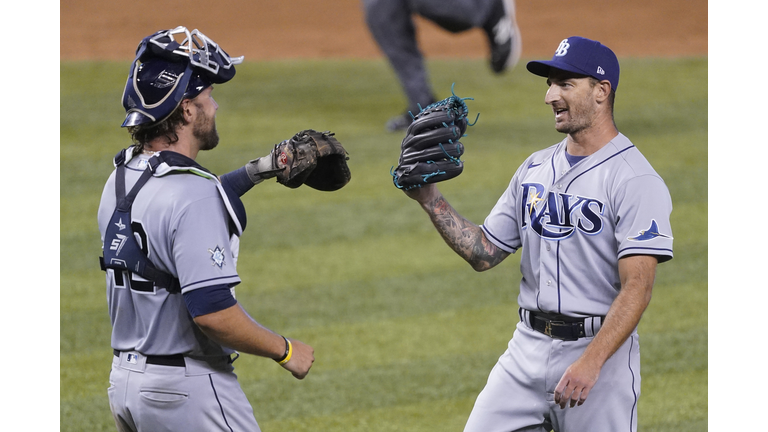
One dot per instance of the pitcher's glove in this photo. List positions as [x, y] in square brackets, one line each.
[431, 148]
[316, 159]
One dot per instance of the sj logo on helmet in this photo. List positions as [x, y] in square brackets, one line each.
[563, 48]
[557, 216]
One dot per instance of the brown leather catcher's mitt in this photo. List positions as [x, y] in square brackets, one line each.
[314, 158]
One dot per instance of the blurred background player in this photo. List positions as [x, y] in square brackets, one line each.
[392, 26]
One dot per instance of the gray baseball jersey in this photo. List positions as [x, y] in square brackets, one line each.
[573, 224]
[183, 223]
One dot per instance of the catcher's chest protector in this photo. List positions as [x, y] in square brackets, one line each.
[123, 247]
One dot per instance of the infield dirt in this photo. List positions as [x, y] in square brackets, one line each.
[275, 29]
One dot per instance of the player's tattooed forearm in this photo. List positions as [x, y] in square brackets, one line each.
[464, 237]
[445, 216]
[490, 254]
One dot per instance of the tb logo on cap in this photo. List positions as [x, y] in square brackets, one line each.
[563, 48]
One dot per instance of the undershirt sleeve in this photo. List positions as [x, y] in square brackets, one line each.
[237, 181]
[203, 301]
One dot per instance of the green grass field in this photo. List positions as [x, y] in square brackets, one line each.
[405, 333]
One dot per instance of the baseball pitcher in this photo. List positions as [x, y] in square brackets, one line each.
[591, 219]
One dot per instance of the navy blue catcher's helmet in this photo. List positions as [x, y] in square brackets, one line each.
[165, 72]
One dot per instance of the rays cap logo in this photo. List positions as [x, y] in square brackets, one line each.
[582, 56]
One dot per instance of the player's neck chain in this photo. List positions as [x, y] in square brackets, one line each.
[148, 152]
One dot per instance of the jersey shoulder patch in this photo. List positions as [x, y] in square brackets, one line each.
[649, 234]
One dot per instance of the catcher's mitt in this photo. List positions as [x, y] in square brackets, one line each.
[316, 159]
[431, 151]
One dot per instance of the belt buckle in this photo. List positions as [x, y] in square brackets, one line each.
[548, 328]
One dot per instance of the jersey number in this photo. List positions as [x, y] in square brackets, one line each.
[137, 283]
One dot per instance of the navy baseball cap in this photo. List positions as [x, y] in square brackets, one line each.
[582, 56]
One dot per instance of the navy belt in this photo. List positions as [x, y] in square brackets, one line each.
[167, 360]
[559, 326]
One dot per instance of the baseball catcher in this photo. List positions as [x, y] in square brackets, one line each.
[431, 150]
[171, 230]
[316, 159]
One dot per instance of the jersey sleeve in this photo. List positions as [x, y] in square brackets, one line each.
[201, 246]
[501, 227]
[643, 208]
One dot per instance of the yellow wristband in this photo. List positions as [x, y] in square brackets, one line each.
[288, 352]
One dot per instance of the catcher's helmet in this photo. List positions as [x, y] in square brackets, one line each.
[165, 72]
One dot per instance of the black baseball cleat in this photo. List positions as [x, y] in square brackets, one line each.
[398, 123]
[503, 36]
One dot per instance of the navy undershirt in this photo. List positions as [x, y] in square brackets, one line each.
[203, 301]
[238, 181]
[572, 160]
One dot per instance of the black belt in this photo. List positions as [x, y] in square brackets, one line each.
[558, 326]
[167, 360]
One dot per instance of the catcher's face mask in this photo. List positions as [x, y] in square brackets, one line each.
[165, 72]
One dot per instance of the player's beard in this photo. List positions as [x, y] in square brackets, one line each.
[205, 131]
[580, 117]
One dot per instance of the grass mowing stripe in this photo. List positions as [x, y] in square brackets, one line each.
[440, 415]
[669, 352]
[408, 294]
[88, 413]
[79, 377]
[676, 307]
[413, 339]
[395, 254]
[342, 391]
[670, 399]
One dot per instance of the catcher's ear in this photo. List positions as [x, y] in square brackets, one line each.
[186, 110]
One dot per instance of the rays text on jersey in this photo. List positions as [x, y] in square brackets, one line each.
[556, 216]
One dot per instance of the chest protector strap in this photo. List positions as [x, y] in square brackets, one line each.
[122, 249]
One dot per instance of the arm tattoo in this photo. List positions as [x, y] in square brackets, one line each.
[464, 237]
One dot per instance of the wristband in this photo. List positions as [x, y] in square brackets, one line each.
[263, 168]
[288, 353]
